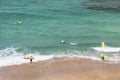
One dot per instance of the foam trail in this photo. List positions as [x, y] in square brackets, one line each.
[8, 51]
[107, 49]
[73, 43]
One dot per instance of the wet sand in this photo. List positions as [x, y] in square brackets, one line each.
[62, 69]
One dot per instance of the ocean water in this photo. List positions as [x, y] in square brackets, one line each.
[46, 22]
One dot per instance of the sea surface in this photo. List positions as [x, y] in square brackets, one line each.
[45, 23]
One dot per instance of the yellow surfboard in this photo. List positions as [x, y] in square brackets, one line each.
[102, 45]
[30, 57]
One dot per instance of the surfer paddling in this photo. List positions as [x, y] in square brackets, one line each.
[63, 41]
[18, 21]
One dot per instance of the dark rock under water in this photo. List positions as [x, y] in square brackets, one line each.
[109, 5]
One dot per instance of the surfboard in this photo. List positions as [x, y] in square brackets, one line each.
[29, 57]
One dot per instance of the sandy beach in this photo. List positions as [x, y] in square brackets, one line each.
[62, 69]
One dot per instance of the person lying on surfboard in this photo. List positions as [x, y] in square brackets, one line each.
[18, 21]
[63, 41]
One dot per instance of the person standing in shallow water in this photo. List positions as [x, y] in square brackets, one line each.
[103, 56]
[30, 58]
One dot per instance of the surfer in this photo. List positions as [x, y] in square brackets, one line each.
[102, 45]
[102, 56]
[63, 41]
[30, 58]
[18, 21]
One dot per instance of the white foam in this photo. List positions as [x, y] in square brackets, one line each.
[113, 59]
[107, 49]
[17, 60]
[79, 56]
[73, 43]
[10, 56]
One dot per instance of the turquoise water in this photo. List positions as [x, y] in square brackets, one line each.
[46, 22]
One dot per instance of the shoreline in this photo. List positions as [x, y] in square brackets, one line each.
[63, 68]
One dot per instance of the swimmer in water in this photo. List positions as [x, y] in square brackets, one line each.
[63, 41]
[18, 21]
